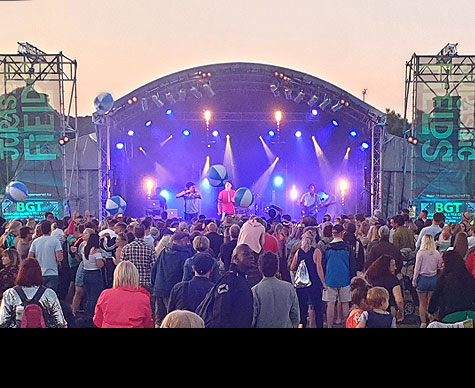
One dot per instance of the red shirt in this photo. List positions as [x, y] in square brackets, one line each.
[123, 307]
[227, 201]
[271, 244]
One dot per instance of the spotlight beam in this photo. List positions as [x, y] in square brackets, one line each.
[229, 159]
[263, 181]
[270, 155]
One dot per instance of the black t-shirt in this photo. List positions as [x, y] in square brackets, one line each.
[388, 282]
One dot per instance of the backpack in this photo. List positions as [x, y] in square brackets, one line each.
[33, 312]
[206, 308]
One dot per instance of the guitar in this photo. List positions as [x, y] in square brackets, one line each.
[312, 210]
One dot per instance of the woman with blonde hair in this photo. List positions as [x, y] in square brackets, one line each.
[311, 295]
[428, 263]
[126, 304]
[182, 319]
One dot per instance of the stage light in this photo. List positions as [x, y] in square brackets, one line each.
[278, 116]
[169, 112]
[364, 145]
[186, 132]
[298, 134]
[298, 99]
[294, 194]
[315, 112]
[327, 101]
[170, 98]
[144, 104]
[195, 92]
[278, 181]
[208, 90]
[207, 115]
[271, 133]
[119, 146]
[274, 88]
[206, 183]
[336, 107]
[165, 194]
[413, 140]
[181, 95]
[148, 123]
[149, 185]
[335, 123]
[353, 133]
[65, 139]
[312, 100]
[156, 99]
[166, 140]
[130, 132]
[216, 133]
[343, 185]
[288, 93]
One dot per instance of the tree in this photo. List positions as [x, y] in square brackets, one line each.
[395, 123]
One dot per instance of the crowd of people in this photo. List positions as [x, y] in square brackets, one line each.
[237, 272]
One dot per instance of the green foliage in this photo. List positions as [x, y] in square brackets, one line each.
[395, 123]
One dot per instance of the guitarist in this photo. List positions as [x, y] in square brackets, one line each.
[310, 202]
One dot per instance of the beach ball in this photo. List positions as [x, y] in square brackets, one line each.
[104, 102]
[116, 204]
[16, 191]
[217, 175]
[243, 197]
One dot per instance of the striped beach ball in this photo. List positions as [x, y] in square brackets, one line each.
[116, 204]
[244, 197]
[217, 175]
[16, 191]
[104, 102]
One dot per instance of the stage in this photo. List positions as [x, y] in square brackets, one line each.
[160, 133]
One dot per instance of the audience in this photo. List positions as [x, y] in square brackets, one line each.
[168, 273]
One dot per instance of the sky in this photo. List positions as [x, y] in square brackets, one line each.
[122, 45]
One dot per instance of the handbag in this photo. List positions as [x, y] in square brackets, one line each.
[302, 277]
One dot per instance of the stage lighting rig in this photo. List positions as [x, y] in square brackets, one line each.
[288, 93]
[209, 90]
[195, 92]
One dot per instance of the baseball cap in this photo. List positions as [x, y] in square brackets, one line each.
[202, 263]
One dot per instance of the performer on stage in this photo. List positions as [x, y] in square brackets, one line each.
[311, 203]
[192, 201]
[226, 200]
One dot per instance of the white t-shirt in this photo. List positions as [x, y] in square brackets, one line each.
[45, 248]
[90, 264]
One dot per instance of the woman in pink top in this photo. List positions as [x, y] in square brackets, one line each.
[126, 305]
[428, 263]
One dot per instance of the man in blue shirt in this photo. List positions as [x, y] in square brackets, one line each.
[340, 268]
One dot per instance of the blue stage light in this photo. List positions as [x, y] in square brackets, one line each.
[165, 194]
[148, 123]
[215, 133]
[335, 123]
[119, 146]
[271, 133]
[315, 112]
[278, 181]
[298, 134]
[353, 133]
[131, 132]
[364, 145]
[169, 112]
[186, 132]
